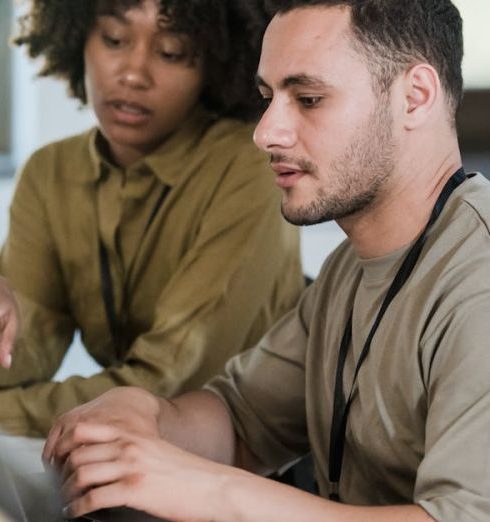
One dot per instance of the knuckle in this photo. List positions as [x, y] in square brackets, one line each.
[73, 459]
[134, 480]
[78, 431]
[79, 479]
[130, 451]
[91, 499]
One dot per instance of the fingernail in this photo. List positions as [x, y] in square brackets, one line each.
[7, 360]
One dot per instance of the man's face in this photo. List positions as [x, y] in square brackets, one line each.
[139, 79]
[329, 137]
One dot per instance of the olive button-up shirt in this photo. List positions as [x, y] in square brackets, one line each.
[200, 260]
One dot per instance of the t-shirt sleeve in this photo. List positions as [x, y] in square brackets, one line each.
[453, 479]
[264, 390]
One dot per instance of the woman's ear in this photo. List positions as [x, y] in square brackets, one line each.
[422, 91]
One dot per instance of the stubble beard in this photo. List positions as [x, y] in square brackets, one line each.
[359, 174]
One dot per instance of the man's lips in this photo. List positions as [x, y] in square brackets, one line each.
[128, 112]
[287, 175]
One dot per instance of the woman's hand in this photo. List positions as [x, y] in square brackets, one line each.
[9, 323]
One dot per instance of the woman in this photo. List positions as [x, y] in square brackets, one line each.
[156, 234]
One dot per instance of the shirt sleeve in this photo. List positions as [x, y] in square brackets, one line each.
[264, 389]
[453, 480]
[29, 260]
[242, 270]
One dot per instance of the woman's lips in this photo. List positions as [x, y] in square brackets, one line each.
[129, 113]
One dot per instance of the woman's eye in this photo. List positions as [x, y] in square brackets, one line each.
[169, 56]
[111, 41]
[310, 101]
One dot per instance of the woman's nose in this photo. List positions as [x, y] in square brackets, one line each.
[135, 72]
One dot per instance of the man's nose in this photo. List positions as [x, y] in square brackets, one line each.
[275, 129]
[135, 72]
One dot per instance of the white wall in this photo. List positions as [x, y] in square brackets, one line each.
[42, 111]
[476, 62]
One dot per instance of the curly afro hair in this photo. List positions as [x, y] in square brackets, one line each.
[226, 33]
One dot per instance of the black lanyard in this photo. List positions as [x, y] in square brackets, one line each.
[341, 407]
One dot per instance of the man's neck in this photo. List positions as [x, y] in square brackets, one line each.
[401, 213]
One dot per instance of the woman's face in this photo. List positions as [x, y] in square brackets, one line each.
[139, 79]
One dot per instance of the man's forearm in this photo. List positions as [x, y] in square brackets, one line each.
[199, 422]
[247, 497]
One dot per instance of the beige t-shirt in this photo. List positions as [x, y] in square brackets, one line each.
[419, 426]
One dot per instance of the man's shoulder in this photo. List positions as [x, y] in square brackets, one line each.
[476, 199]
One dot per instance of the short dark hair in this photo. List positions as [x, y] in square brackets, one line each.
[227, 35]
[393, 34]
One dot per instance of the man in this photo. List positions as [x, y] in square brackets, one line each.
[9, 322]
[382, 370]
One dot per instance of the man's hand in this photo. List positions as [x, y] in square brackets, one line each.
[132, 408]
[111, 468]
[9, 323]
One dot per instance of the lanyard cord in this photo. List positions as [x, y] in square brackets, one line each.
[341, 407]
[108, 286]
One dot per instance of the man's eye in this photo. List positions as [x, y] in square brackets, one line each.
[111, 42]
[266, 101]
[309, 101]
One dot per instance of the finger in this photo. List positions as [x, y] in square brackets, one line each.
[112, 495]
[86, 477]
[91, 454]
[82, 433]
[51, 441]
[8, 333]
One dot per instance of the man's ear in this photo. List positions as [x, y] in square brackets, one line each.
[422, 89]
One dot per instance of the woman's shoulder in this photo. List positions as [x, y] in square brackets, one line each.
[70, 149]
[231, 136]
[68, 155]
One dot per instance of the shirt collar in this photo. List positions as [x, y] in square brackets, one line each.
[166, 161]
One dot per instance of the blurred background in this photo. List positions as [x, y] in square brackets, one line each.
[36, 111]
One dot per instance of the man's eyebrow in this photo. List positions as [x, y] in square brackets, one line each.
[301, 80]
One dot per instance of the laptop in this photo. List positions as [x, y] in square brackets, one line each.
[28, 498]
[30, 495]
[118, 515]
